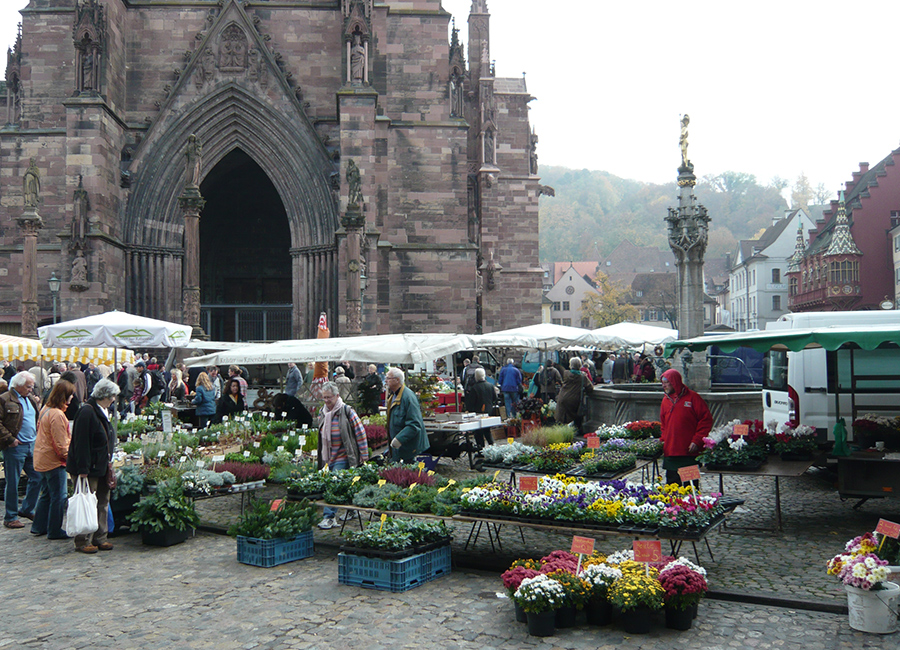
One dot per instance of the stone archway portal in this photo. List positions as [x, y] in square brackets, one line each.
[245, 260]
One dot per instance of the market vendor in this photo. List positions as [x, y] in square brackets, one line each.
[406, 429]
[686, 420]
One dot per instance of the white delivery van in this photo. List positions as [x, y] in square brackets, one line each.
[813, 386]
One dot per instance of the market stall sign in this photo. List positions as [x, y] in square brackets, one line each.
[276, 505]
[741, 429]
[528, 483]
[689, 473]
[888, 528]
[647, 550]
[593, 442]
[582, 545]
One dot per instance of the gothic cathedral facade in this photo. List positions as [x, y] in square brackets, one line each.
[244, 166]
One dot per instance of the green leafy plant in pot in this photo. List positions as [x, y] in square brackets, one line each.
[286, 521]
[166, 516]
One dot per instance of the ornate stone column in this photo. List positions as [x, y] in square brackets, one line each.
[30, 223]
[353, 221]
[688, 227]
[191, 203]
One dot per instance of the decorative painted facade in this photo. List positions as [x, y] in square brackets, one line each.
[194, 161]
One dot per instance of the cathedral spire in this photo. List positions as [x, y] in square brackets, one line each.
[799, 250]
[841, 240]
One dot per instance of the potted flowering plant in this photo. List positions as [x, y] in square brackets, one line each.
[636, 594]
[871, 598]
[684, 589]
[795, 443]
[512, 580]
[540, 597]
[599, 577]
[724, 449]
[577, 593]
[641, 429]
[872, 428]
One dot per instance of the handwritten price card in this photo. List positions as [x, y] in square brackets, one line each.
[528, 483]
[690, 473]
[649, 550]
[888, 528]
[582, 545]
[593, 442]
[741, 429]
[276, 504]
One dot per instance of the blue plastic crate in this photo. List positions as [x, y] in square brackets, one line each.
[272, 552]
[393, 575]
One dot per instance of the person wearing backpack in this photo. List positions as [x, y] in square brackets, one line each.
[342, 439]
[158, 386]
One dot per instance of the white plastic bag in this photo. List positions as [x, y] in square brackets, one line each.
[81, 513]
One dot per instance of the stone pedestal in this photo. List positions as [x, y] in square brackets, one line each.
[353, 222]
[191, 202]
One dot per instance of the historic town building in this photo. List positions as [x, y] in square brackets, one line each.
[243, 166]
[847, 262]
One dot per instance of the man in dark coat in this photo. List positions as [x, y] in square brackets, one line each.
[483, 395]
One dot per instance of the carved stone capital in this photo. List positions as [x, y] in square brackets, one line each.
[191, 203]
[30, 222]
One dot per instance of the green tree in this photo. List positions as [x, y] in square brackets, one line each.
[609, 305]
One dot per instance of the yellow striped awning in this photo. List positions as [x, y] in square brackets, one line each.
[16, 348]
[96, 356]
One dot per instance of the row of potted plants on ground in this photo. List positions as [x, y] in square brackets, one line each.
[747, 445]
[550, 592]
[650, 509]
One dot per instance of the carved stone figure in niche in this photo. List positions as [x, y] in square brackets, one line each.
[207, 66]
[31, 185]
[354, 183]
[79, 271]
[192, 161]
[534, 156]
[87, 70]
[255, 61]
[683, 140]
[357, 60]
[233, 50]
[489, 147]
[457, 100]
[80, 218]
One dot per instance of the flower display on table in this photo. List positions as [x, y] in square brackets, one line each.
[872, 428]
[684, 587]
[859, 566]
[725, 448]
[607, 431]
[607, 461]
[641, 429]
[799, 441]
[506, 454]
[540, 594]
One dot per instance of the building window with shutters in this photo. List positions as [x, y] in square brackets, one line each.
[776, 303]
[776, 276]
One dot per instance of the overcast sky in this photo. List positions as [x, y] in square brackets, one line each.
[772, 87]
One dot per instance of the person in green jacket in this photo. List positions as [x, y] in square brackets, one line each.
[406, 429]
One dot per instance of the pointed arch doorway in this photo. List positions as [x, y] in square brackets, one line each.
[245, 260]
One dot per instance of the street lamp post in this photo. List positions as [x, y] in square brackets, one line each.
[54, 283]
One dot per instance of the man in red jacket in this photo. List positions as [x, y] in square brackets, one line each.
[686, 420]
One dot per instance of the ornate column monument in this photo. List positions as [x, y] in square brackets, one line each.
[688, 226]
[191, 203]
[30, 222]
[353, 221]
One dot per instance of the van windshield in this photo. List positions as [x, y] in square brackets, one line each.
[775, 367]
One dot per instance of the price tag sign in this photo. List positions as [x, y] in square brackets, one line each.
[219, 459]
[279, 448]
[246, 454]
[741, 429]
[593, 442]
[188, 450]
[305, 427]
[888, 528]
[201, 464]
[161, 454]
[509, 441]
[256, 444]
[298, 452]
[582, 545]
[276, 504]
[411, 486]
[496, 474]
[430, 472]
[421, 466]
[167, 421]
[690, 473]
[528, 483]
[648, 550]
[381, 482]
[302, 441]
[314, 453]
[182, 459]
[325, 468]
[355, 479]
[451, 482]
[284, 438]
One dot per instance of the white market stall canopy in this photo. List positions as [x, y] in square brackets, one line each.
[627, 335]
[546, 336]
[386, 348]
[116, 329]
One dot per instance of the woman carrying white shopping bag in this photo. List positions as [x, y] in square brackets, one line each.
[90, 453]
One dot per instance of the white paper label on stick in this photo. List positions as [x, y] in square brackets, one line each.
[219, 459]
[167, 421]
[161, 454]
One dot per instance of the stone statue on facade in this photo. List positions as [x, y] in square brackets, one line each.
[683, 140]
[31, 185]
[87, 70]
[192, 160]
[354, 183]
[357, 60]
[79, 272]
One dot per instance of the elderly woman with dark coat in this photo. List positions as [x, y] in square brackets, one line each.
[575, 386]
[90, 452]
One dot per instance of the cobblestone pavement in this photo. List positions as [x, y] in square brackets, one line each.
[196, 595]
